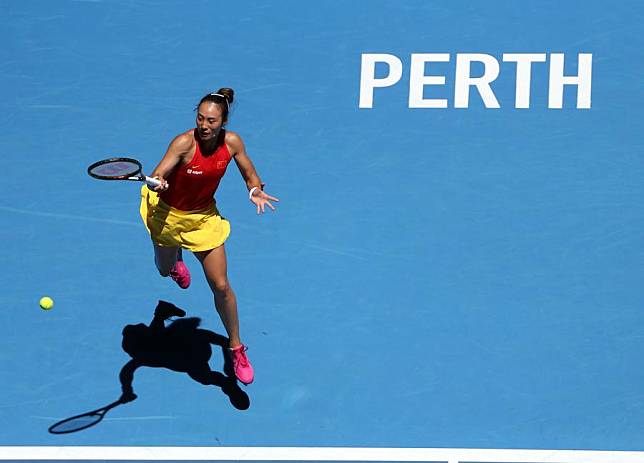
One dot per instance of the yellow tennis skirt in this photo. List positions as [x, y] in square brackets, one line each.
[193, 230]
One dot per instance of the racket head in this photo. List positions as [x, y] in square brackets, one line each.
[77, 423]
[115, 169]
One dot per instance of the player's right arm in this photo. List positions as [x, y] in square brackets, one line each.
[177, 152]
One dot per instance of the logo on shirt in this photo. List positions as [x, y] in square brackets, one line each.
[192, 171]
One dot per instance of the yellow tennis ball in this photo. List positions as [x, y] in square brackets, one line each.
[46, 303]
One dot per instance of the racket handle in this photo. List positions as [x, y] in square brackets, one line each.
[153, 182]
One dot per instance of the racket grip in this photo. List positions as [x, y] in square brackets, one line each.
[153, 182]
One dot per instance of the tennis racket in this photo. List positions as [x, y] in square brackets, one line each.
[84, 421]
[121, 169]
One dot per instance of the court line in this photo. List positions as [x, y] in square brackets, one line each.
[67, 216]
[319, 454]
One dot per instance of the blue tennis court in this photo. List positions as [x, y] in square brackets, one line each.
[433, 278]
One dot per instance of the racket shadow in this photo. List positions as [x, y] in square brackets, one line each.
[180, 346]
[84, 420]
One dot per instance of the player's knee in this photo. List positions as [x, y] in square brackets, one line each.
[221, 287]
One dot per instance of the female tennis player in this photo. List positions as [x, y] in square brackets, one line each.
[181, 213]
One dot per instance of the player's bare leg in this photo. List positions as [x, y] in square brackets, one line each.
[169, 262]
[215, 268]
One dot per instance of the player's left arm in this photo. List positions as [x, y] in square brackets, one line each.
[248, 172]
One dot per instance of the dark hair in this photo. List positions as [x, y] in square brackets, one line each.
[223, 98]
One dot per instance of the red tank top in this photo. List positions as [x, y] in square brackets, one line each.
[192, 186]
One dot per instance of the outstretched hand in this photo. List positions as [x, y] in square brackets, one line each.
[261, 200]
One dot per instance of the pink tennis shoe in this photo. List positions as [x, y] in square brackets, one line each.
[241, 364]
[180, 274]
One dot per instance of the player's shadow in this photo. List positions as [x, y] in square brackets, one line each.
[180, 346]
